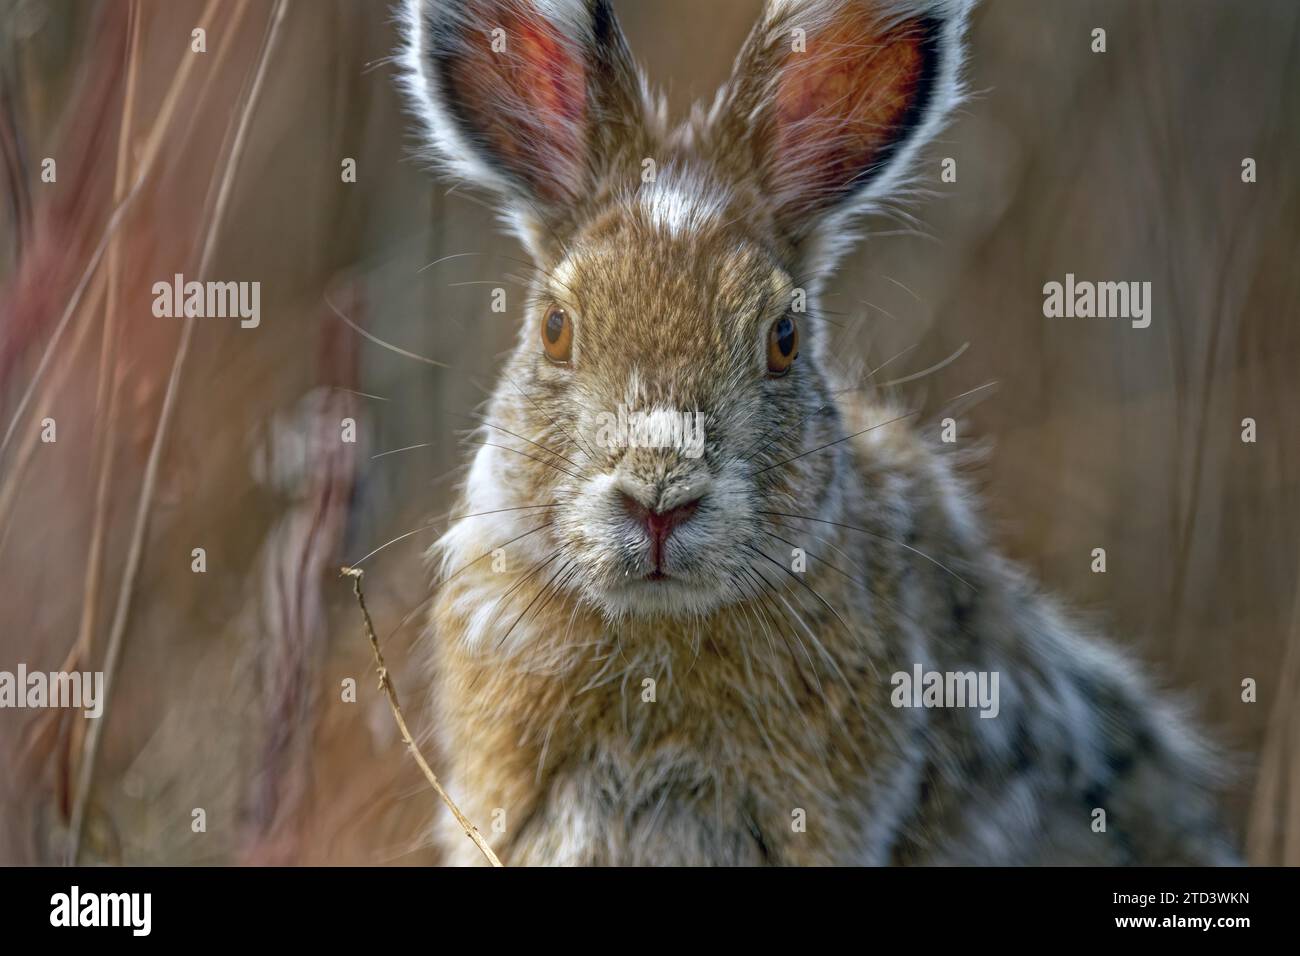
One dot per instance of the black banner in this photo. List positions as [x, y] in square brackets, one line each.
[377, 905]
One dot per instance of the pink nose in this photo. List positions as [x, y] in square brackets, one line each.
[659, 524]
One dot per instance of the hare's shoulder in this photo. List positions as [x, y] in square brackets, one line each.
[906, 482]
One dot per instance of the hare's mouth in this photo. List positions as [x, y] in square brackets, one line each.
[655, 572]
[662, 594]
[664, 577]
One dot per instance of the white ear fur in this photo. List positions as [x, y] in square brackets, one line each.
[830, 232]
[445, 138]
[535, 123]
[946, 96]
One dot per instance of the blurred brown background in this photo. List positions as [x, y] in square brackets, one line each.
[226, 687]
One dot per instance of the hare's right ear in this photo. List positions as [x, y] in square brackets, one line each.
[536, 100]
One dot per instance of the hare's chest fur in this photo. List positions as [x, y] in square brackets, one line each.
[694, 766]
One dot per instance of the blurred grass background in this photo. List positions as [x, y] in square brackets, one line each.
[1121, 166]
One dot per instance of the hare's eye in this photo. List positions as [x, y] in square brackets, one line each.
[782, 345]
[557, 335]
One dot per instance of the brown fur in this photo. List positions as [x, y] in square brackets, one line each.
[771, 685]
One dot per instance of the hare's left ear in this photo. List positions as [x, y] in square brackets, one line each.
[535, 100]
[829, 103]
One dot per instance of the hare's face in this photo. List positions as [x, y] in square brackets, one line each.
[674, 367]
[667, 374]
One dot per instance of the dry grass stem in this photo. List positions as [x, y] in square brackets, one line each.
[386, 685]
[86, 768]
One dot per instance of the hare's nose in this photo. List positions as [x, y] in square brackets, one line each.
[660, 524]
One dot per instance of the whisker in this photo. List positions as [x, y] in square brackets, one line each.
[756, 593]
[844, 574]
[862, 382]
[885, 312]
[378, 341]
[544, 448]
[487, 554]
[542, 591]
[751, 595]
[817, 411]
[574, 570]
[400, 537]
[866, 378]
[372, 65]
[837, 441]
[811, 590]
[929, 371]
[497, 511]
[821, 648]
[456, 255]
[826, 655]
[819, 689]
[548, 273]
[434, 524]
[766, 604]
[935, 561]
[394, 451]
[901, 286]
[350, 391]
[585, 451]
[567, 709]
[952, 402]
[533, 570]
[540, 461]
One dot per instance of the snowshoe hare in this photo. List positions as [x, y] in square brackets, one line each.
[705, 600]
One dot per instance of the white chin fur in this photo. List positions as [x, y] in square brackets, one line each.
[671, 597]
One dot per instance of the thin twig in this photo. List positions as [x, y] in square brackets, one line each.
[386, 685]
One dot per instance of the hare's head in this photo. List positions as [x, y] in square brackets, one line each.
[671, 348]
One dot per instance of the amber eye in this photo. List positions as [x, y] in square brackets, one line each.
[782, 345]
[557, 335]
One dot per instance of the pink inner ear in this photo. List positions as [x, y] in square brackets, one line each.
[840, 105]
[527, 102]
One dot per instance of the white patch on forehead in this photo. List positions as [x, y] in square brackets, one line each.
[681, 207]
